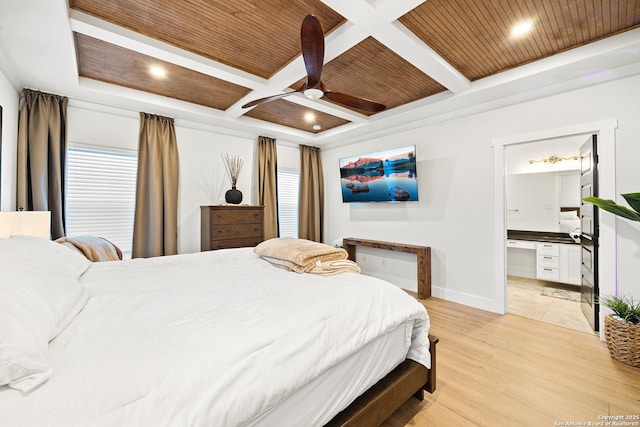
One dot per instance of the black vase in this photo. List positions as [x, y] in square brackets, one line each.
[233, 196]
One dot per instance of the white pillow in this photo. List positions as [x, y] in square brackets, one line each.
[39, 295]
[569, 215]
[569, 225]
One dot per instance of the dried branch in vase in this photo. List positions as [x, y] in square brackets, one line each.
[233, 164]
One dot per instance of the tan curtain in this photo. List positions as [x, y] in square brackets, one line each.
[268, 184]
[42, 153]
[155, 226]
[311, 209]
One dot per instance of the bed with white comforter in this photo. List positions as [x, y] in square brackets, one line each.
[209, 339]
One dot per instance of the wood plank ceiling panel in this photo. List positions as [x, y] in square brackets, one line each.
[109, 63]
[293, 115]
[372, 71]
[256, 36]
[475, 35]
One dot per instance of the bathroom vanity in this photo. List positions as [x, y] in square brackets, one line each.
[543, 255]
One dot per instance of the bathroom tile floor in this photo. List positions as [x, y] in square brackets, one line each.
[525, 299]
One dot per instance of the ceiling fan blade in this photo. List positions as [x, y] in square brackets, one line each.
[355, 102]
[269, 99]
[312, 41]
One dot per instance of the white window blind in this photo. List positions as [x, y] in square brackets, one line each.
[101, 191]
[288, 184]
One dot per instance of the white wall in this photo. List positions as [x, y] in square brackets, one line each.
[110, 128]
[9, 100]
[288, 157]
[455, 170]
[203, 179]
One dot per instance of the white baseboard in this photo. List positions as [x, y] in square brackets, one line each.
[521, 272]
[474, 301]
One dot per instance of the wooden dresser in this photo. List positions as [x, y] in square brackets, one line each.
[227, 226]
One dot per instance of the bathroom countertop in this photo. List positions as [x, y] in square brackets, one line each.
[541, 236]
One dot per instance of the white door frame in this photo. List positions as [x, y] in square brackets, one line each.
[607, 274]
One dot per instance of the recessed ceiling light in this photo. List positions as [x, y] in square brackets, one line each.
[309, 117]
[522, 28]
[157, 72]
[317, 127]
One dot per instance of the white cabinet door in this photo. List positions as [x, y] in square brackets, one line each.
[570, 264]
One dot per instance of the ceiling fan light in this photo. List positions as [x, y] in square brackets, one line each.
[312, 93]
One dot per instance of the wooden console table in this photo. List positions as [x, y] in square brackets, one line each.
[423, 253]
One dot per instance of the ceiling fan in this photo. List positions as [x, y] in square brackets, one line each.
[312, 41]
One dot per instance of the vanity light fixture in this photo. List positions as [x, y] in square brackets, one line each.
[554, 159]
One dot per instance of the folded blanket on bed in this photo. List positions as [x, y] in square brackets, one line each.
[326, 268]
[94, 248]
[329, 268]
[305, 256]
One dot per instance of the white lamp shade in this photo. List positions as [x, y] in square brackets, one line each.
[29, 223]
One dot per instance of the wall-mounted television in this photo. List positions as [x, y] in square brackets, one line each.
[383, 176]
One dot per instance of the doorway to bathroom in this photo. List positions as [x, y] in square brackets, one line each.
[543, 211]
[606, 264]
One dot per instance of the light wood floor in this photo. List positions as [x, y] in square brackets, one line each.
[495, 370]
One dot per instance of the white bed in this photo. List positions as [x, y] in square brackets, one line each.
[217, 338]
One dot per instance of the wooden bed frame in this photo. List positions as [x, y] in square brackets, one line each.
[387, 395]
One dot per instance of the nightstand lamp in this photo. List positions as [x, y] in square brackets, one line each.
[29, 223]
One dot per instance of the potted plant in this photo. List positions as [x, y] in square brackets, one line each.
[233, 165]
[622, 329]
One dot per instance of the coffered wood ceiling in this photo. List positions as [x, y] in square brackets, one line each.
[410, 55]
[473, 36]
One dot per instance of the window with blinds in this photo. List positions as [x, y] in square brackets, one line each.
[100, 197]
[288, 184]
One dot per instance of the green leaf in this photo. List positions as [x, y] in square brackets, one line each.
[614, 208]
[634, 200]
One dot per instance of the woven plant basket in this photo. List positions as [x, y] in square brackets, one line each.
[623, 340]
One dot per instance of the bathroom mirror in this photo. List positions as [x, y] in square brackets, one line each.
[546, 201]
